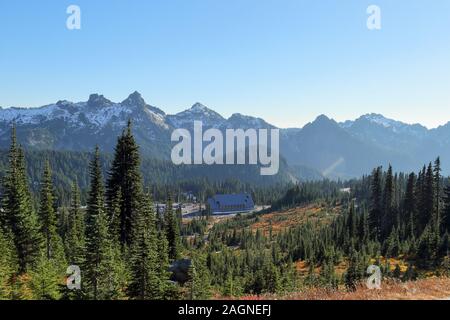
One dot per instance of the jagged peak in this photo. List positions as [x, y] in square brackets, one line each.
[96, 100]
[134, 99]
[238, 115]
[323, 118]
[199, 107]
[63, 102]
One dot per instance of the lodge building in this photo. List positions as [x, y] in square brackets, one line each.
[230, 203]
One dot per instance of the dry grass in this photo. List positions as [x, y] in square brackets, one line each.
[425, 289]
[282, 220]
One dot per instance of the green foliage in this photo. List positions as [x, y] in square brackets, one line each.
[172, 230]
[145, 281]
[102, 264]
[8, 265]
[18, 216]
[52, 242]
[125, 250]
[75, 240]
[125, 181]
[199, 283]
[46, 278]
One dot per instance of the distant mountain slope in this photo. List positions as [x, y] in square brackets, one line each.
[335, 152]
[321, 148]
[69, 166]
[81, 126]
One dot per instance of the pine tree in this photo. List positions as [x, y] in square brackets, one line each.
[328, 275]
[429, 197]
[100, 277]
[421, 220]
[46, 278]
[145, 281]
[53, 246]
[199, 282]
[410, 205]
[351, 277]
[437, 194]
[376, 211]
[165, 290]
[388, 204]
[352, 221]
[8, 265]
[446, 210]
[75, 237]
[172, 230]
[125, 179]
[18, 216]
[193, 282]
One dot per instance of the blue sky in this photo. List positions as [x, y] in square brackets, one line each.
[286, 61]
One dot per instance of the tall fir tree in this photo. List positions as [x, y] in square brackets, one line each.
[166, 291]
[46, 278]
[438, 195]
[125, 179]
[75, 237]
[410, 206]
[8, 264]
[446, 210]
[429, 198]
[48, 272]
[145, 281]
[376, 210]
[53, 245]
[172, 227]
[19, 218]
[100, 277]
[388, 204]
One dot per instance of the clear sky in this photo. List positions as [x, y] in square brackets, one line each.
[286, 61]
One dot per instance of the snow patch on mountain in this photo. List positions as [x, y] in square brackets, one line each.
[198, 112]
[396, 127]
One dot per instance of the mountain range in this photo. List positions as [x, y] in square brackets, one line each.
[322, 148]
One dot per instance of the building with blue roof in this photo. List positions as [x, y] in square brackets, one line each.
[221, 204]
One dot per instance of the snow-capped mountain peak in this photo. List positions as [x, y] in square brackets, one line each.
[198, 107]
[238, 120]
[98, 101]
[381, 120]
[198, 112]
[134, 100]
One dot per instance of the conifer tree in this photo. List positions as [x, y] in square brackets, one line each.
[145, 281]
[19, 218]
[428, 214]
[438, 193]
[376, 211]
[8, 265]
[388, 204]
[165, 290]
[46, 278]
[53, 246]
[100, 269]
[199, 279]
[351, 277]
[421, 220]
[172, 230]
[75, 236]
[410, 205]
[446, 210]
[124, 180]
[352, 221]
